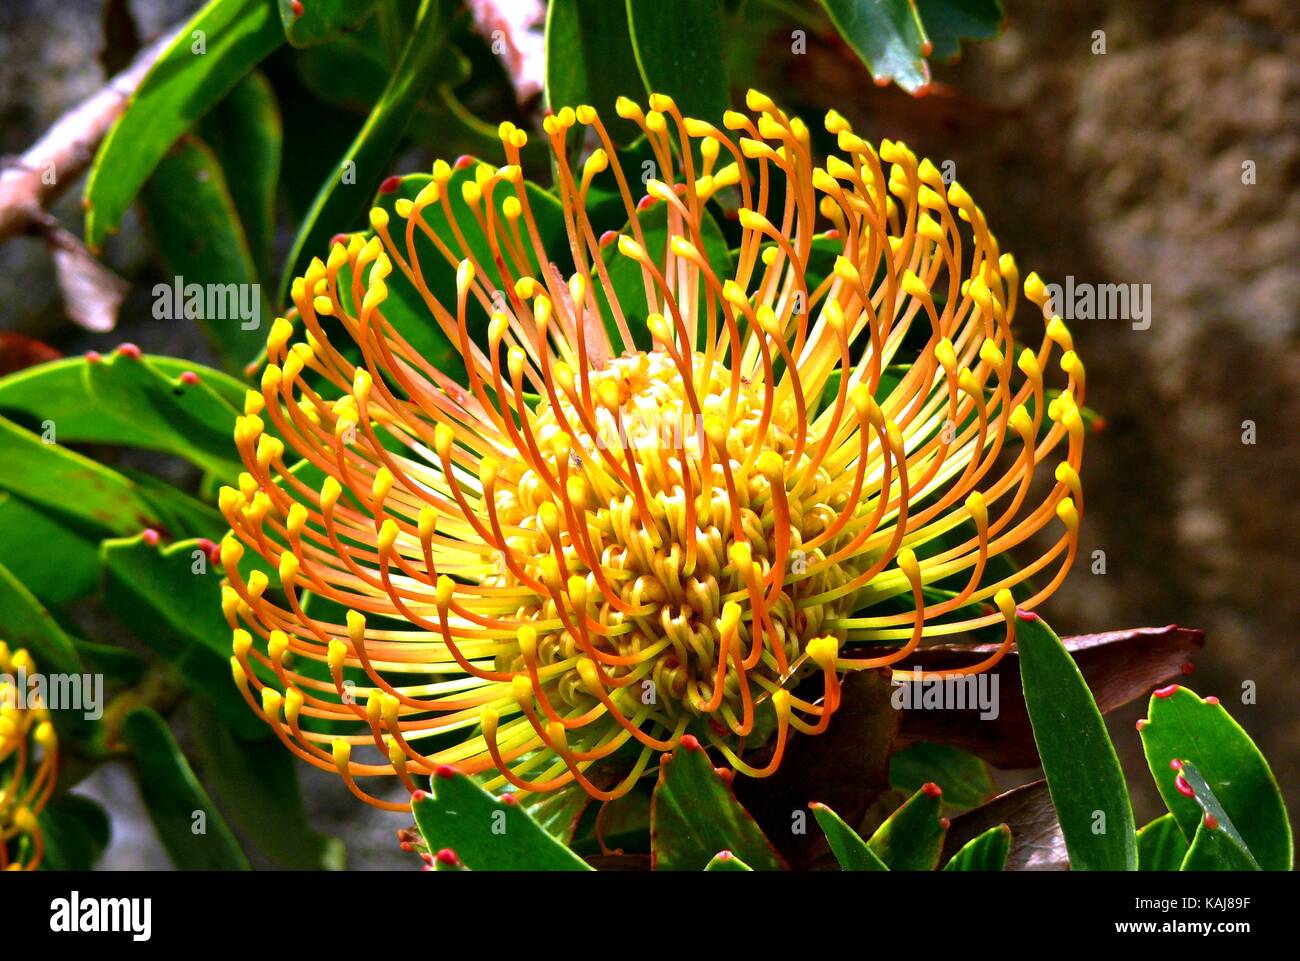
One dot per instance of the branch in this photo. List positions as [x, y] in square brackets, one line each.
[30, 183]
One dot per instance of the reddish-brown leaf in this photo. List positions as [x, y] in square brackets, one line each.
[1119, 666]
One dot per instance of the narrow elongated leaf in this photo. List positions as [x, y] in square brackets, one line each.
[678, 46]
[849, 849]
[62, 480]
[342, 198]
[558, 812]
[256, 785]
[244, 131]
[176, 611]
[151, 403]
[487, 833]
[887, 35]
[1082, 769]
[964, 777]
[695, 815]
[187, 419]
[223, 41]
[199, 234]
[60, 391]
[25, 622]
[315, 21]
[1212, 849]
[1215, 817]
[1161, 845]
[188, 823]
[590, 60]
[948, 22]
[726, 861]
[988, 852]
[912, 837]
[59, 557]
[1182, 727]
[76, 832]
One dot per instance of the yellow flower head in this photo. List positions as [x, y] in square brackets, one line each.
[680, 508]
[29, 759]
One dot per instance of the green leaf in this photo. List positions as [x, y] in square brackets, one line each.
[949, 22]
[849, 849]
[338, 204]
[695, 815]
[199, 235]
[987, 852]
[590, 60]
[1083, 773]
[66, 482]
[726, 861]
[487, 833]
[557, 812]
[25, 622]
[319, 20]
[256, 786]
[115, 663]
[177, 613]
[180, 515]
[244, 131]
[912, 837]
[133, 403]
[233, 35]
[176, 801]
[1215, 817]
[59, 557]
[1182, 727]
[887, 35]
[1214, 850]
[76, 831]
[678, 46]
[58, 390]
[964, 777]
[1161, 845]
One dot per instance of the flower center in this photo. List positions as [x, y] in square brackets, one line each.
[667, 499]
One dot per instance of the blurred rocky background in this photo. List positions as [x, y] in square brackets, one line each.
[1117, 167]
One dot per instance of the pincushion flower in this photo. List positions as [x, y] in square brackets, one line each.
[29, 760]
[553, 569]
